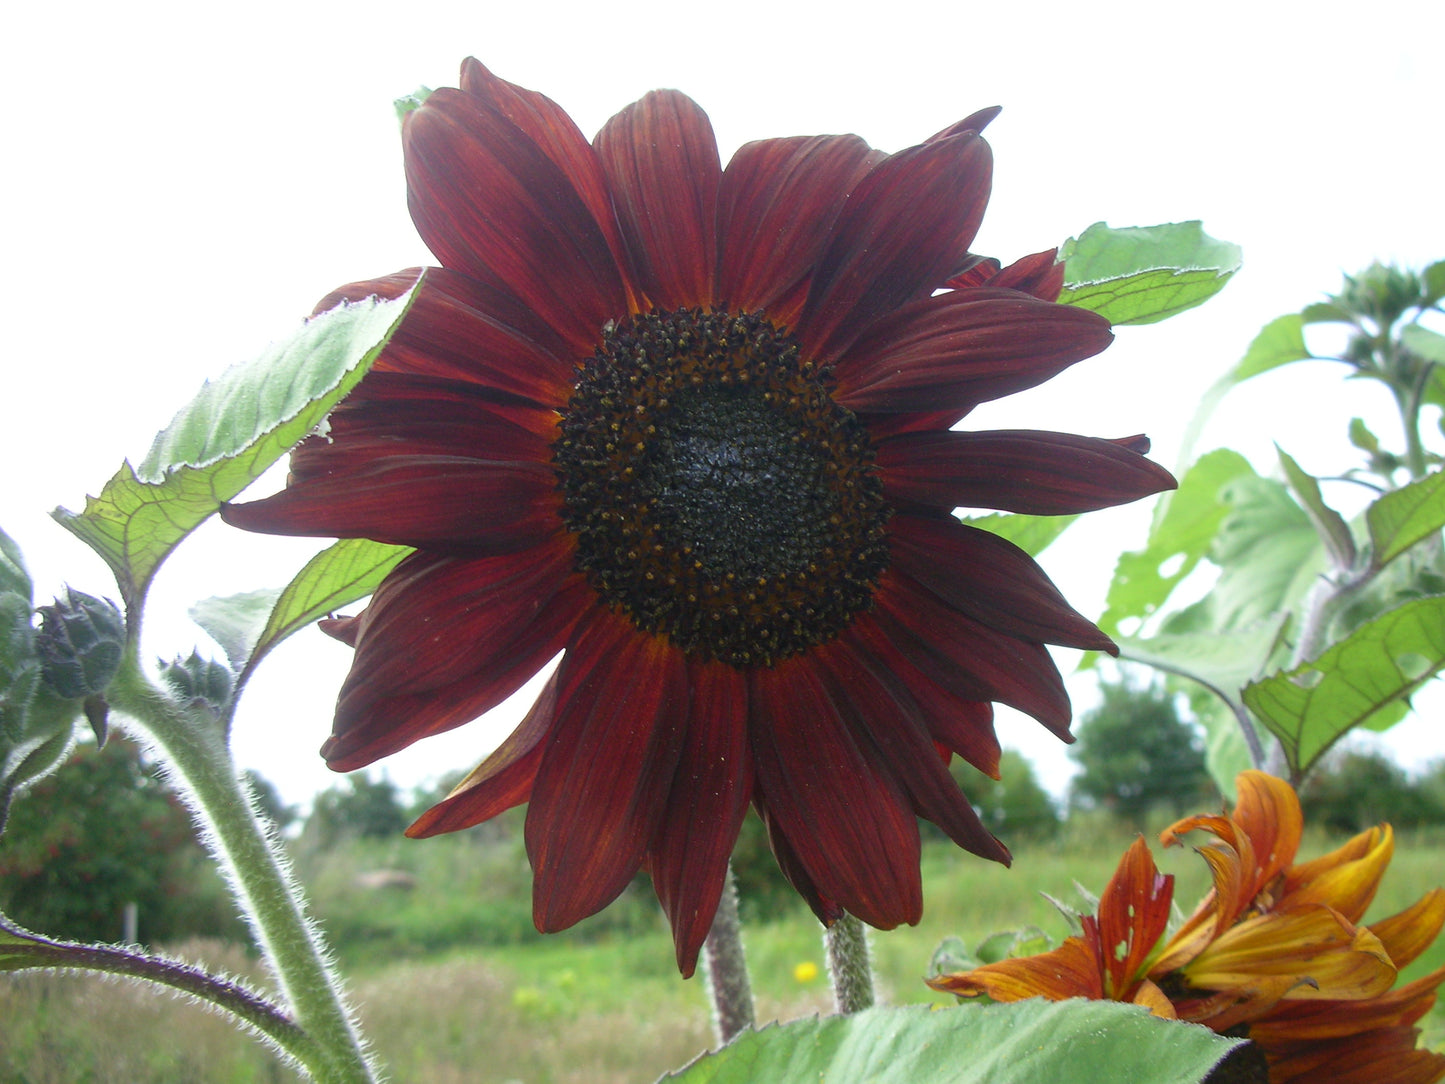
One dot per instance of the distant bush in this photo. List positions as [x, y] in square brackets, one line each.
[100, 833]
[1356, 788]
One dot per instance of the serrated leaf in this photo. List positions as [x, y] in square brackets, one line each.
[227, 438]
[1144, 274]
[1405, 516]
[1331, 527]
[235, 621]
[1032, 534]
[340, 574]
[1267, 551]
[1310, 707]
[1424, 343]
[1323, 312]
[1182, 534]
[1068, 1042]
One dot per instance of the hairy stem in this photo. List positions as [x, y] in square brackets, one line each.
[195, 752]
[846, 943]
[726, 969]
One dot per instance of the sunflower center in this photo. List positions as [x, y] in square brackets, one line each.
[719, 496]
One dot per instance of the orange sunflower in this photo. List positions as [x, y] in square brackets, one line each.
[690, 427]
[1274, 951]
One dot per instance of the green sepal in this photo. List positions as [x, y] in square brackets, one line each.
[1144, 274]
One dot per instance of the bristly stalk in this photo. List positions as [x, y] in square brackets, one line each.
[200, 765]
[726, 969]
[846, 943]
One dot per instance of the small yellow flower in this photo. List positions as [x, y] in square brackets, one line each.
[806, 971]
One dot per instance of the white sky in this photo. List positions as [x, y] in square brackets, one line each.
[185, 182]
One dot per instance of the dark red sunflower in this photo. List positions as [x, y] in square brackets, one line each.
[690, 426]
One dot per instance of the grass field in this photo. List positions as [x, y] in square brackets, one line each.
[454, 986]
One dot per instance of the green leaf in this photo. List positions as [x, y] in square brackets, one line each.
[1331, 527]
[1032, 534]
[1144, 274]
[1310, 707]
[1362, 438]
[1279, 342]
[1424, 343]
[227, 438]
[1432, 280]
[351, 569]
[1405, 516]
[235, 621]
[1069, 1042]
[1324, 312]
[1222, 664]
[1267, 551]
[14, 576]
[1181, 535]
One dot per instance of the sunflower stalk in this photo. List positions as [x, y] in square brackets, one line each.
[325, 1041]
[726, 968]
[849, 966]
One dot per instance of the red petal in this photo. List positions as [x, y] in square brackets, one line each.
[547, 124]
[898, 237]
[962, 725]
[827, 910]
[602, 789]
[490, 202]
[963, 348]
[882, 712]
[1019, 470]
[1133, 914]
[501, 781]
[1041, 275]
[411, 677]
[461, 329]
[396, 415]
[991, 580]
[778, 200]
[705, 807]
[970, 659]
[853, 829]
[974, 122]
[661, 163]
[469, 504]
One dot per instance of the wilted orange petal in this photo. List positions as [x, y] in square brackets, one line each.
[1345, 879]
[1327, 956]
[1386, 1056]
[1068, 971]
[1216, 911]
[1133, 913]
[1155, 1000]
[1314, 1020]
[1268, 811]
[1414, 929]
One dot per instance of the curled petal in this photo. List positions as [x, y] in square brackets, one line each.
[1347, 878]
[1410, 932]
[1037, 473]
[962, 348]
[602, 788]
[1268, 812]
[662, 167]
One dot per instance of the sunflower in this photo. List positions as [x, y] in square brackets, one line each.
[1274, 951]
[690, 427]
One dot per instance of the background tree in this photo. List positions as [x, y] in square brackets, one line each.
[1013, 807]
[360, 807]
[1354, 789]
[1136, 752]
[103, 832]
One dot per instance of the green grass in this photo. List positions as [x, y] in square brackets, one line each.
[455, 986]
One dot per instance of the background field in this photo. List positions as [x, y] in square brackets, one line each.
[454, 985]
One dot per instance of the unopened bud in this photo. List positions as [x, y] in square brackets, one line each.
[81, 641]
[200, 682]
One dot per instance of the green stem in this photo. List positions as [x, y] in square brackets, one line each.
[726, 969]
[846, 942]
[195, 751]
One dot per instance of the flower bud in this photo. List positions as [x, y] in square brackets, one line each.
[200, 682]
[81, 641]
